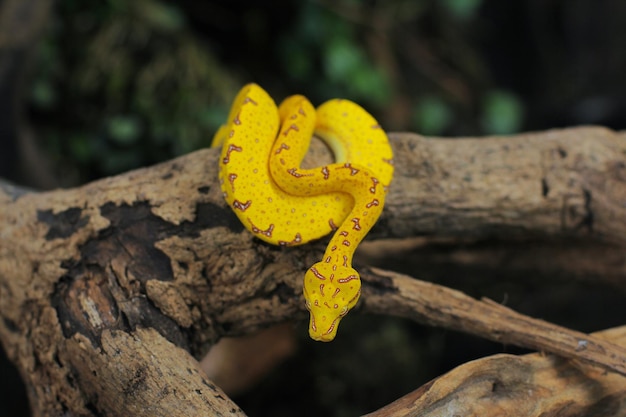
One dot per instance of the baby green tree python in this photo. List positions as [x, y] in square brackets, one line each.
[283, 204]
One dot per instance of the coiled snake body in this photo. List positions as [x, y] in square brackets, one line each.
[280, 203]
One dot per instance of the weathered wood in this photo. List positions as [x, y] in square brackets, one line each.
[560, 183]
[151, 375]
[153, 261]
[530, 385]
[400, 295]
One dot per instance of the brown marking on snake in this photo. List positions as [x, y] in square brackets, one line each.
[267, 232]
[374, 202]
[328, 259]
[297, 239]
[343, 233]
[295, 173]
[346, 243]
[230, 149]
[332, 325]
[325, 172]
[281, 147]
[236, 120]
[332, 224]
[337, 290]
[353, 171]
[345, 261]
[346, 279]
[242, 206]
[317, 273]
[249, 100]
[373, 188]
[231, 180]
[356, 226]
[322, 290]
[292, 127]
[389, 161]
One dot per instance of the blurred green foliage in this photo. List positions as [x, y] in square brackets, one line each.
[462, 9]
[125, 84]
[120, 85]
[324, 49]
[432, 114]
[502, 112]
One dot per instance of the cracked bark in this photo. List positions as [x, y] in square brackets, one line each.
[110, 292]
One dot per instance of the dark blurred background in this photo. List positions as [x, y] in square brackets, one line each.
[112, 85]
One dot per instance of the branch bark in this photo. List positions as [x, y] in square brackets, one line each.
[528, 385]
[561, 183]
[105, 288]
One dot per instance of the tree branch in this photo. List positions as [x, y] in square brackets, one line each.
[399, 295]
[154, 256]
[533, 384]
[562, 183]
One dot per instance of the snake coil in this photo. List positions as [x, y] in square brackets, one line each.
[283, 204]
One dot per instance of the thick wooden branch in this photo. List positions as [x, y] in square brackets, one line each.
[561, 183]
[550, 204]
[153, 261]
[160, 378]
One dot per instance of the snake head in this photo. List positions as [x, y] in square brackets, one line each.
[330, 291]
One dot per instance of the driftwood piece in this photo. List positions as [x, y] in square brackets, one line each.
[106, 288]
[530, 385]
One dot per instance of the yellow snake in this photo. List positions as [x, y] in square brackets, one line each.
[282, 204]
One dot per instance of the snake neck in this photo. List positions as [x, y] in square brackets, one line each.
[369, 199]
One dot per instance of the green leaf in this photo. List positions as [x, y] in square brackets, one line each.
[462, 9]
[432, 115]
[371, 84]
[342, 59]
[502, 113]
[212, 117]
[43, 94]
[125, 130]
